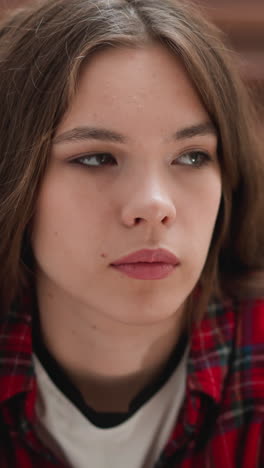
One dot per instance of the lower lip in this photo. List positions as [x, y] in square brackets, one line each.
[146, 271]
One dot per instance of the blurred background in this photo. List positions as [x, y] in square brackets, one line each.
[243, 23]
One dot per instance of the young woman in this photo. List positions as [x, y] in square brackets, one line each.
[131, 221]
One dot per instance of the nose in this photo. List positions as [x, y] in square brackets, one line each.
[149, 203]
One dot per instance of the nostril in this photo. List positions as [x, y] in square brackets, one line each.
[137, 220]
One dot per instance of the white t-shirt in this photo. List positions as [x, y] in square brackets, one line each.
[135, 443]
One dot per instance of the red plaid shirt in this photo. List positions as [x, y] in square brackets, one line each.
[221, 423]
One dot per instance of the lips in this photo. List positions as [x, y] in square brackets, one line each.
[147, 264]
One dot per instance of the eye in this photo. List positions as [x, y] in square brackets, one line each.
[96, 160]
[193, 158]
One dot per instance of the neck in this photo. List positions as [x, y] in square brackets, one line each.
[103, 356]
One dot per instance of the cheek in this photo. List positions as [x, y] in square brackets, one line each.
[202, 213]
[66, 223]
[208, 195]
[212, 198]
[69, 198]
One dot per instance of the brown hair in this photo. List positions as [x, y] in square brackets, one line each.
[42, 50]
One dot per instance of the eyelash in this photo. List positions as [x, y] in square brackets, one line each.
[95, 155]
[106, 159]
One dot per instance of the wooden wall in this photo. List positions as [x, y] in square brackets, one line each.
[243, 22]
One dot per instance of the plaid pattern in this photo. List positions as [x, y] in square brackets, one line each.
[221, 423]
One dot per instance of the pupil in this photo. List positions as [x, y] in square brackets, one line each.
[102, 158]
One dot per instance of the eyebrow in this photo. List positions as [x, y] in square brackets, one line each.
[103, 134]
[89, 133]
[201, 129]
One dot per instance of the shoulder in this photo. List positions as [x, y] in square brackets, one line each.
[247, 358]
[228, 351]
[240, 422]
[240, 411]
[249, 315]
[240, 322]
[225, 385]
[242, 399]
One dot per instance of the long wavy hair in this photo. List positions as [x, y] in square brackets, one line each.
[43, 49]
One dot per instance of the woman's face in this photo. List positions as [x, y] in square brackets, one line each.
[133, 166]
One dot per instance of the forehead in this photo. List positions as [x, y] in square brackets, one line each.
[139, 88]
